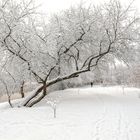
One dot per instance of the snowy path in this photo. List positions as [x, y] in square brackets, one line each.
[90, 114]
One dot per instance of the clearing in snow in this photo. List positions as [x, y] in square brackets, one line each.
[98, 113]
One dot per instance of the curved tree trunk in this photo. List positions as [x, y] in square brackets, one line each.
[32, 95]
[40, 92]
[35, 101]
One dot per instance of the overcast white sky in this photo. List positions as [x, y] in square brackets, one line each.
[51, 6]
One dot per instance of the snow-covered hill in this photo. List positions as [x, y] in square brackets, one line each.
[98, 113]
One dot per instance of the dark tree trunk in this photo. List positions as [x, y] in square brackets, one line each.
[9, 101]
[22, 90]
[37, 92]
[41, 92]
[42, 95]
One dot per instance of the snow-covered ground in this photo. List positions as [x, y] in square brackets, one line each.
[98, 113]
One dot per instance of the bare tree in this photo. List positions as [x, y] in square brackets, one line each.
[73, 43]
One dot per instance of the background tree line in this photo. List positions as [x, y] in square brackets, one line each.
[82, 42]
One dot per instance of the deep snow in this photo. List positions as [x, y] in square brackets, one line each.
[98, 113]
